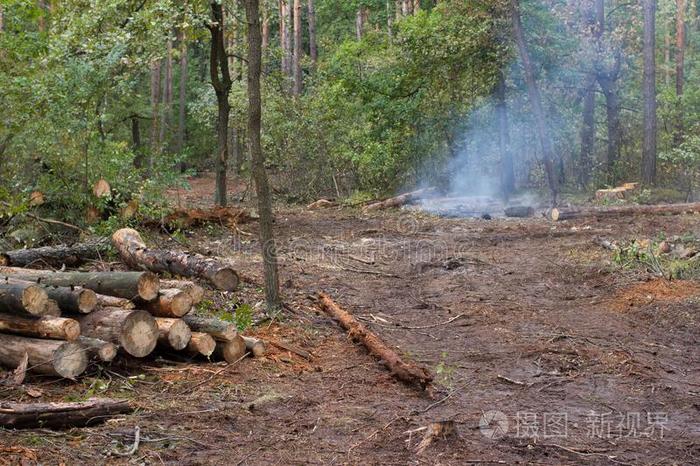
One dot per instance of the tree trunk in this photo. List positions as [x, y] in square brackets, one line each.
[587, 134]
[55, 256]
[136, 255]
[230, 351]
[361, 22]
[254, 346]
[23, 298]
[57, 328]
[667, 53]
[173, 333]
[170, 303]
[218, 329]
[60, 415]
[105, 351]
[129, 285]
[155, 115]
[262, 187]
[296, 59]
[201, 344]
[680, 66]
[621, 211]
[265, 28]
[535, 102]
[135, 331]
[50, 357]
[222, 88]
[649, 92]
[507, 173]
[313, 47]
[287, 48]
[136, 146]
[167, 94]
[182, 97]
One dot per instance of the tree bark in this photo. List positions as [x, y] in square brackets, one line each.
[230, 351]
[408, 373]
[535, 102]
[135, 331]
[680, 67]
[507, 173]
[129, 285]
[105, 351]
[222, 88]
[55, 256]
[50, 357]
[26, 299]
[57, 328]
[262, 187]
[173, 333]
[182, 97]
[313, 47]
[136, 146]
[155, 114]
[170, 303]
[287, 37]
[218, 329]
[296, 58]
[557, 215]
[136, 255]
[60, 415]
[649, 92]
[201, 344]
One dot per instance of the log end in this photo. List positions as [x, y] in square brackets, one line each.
[179, 335]
[71, 328]
[201, 344]
[35, 300]
[139, 334]
[4, 260]
[225, 279]
[255, 346]
[70, 360]
[231, 351]
[554, 214]
[148, 286]
[87, 301]
[180, 303]
[107, 352]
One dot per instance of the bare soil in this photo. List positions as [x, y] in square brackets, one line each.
[545, 352]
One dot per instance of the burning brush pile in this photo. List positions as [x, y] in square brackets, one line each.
[56, 322]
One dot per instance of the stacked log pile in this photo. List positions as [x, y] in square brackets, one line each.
[55, 323]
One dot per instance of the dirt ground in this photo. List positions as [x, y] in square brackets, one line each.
[544, 351]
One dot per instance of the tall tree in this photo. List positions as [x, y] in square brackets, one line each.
[265, 27]
[221, 81]
[287, 39]
[535, 102]
[2, 18]
[155, 114]
[507, 173]
[361, 21]
[296, 57]
[262, 187]
[182, 97]
[167, 93]
[649, 92]
[313, 47]
[680, 69]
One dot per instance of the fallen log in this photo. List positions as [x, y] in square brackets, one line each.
[105, 351]
[57, 328]
[519, 211]
[201, 344]
[129, 285]
[231, 351]
[400, 200]
[55, 256]
[50, 357]
[254, 346]
[409, 373]
[136, 255]
[23, 298]
[195, 291]
[170, 303]
[60, 415]
[113, 301]
[173, 333]
[80, 300]
[218, 329]
[557, 215]
[135, 331]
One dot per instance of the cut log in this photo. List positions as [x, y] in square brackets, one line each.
[81, 300]
[113, 301]
[23, 298]
[129, 285]
[135, 331]
[557, 215]
[58, 328]
[218, 329]
[60, 415]
[231, 351]
[170, 303]
[51, 357]
[201, 344]
[409, 373]
[136, 255]
[105, 351]
[254, 346]
[56, 256]
[400, 200]
[173, 333]
[195, 291]
[519, 211]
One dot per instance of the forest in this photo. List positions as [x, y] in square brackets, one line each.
[349, 231]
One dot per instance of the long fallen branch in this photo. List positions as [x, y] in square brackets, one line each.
[409, 373]
[55, 415]
[557, 215]
[400, 200]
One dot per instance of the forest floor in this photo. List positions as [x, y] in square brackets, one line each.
[526, 324]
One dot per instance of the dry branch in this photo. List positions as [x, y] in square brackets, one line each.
[409, 373]
[52, 357]
[400, 200]
[57, 328]
[57, 415]
[136, 255]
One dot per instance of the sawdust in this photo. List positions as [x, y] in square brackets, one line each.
[654, 291]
